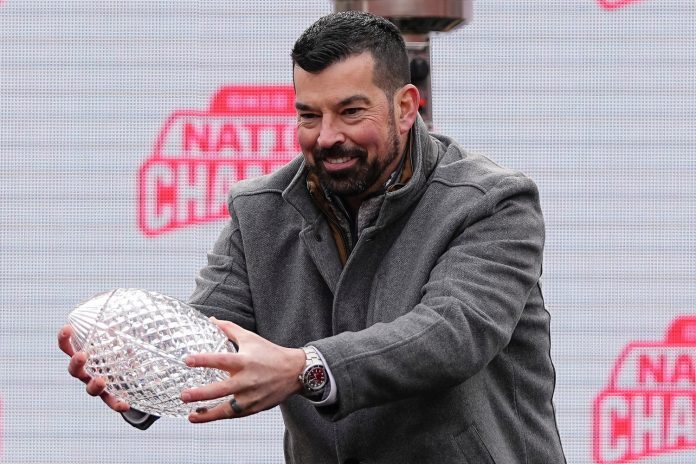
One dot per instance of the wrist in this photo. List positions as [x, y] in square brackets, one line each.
[297, 361]
[314, 377]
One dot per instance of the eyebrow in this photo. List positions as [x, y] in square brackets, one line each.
[302, 107]
[346, 101]
[353, 99]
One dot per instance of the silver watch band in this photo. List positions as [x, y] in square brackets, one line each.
[314, 376]
[311, 355]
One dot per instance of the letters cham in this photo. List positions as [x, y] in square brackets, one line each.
[649, 406]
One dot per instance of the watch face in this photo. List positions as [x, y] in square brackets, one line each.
[315, 378]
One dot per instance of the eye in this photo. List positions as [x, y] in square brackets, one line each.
[352, 111]
[307, 119]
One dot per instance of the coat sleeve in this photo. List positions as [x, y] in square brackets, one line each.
[469, 308]
[138, 419]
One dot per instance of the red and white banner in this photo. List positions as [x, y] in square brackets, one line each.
[614, 4]
[649, 406]
[247, 131]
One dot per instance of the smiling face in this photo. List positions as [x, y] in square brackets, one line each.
[350, 132]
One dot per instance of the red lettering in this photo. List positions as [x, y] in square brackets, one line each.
[227, 139]
[648, 426]
[192, 135]
[679, 423]
[612, 428]
[157, 194]
[646, 367]
[276, 130]
[246, 132]
[191, 190]
[279, 139]
[224, 176]
[612, 4]
[175, 193]
[238, 138]
[684, 370]
[630, 426]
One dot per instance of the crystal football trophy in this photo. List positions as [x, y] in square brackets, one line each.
[137, 341]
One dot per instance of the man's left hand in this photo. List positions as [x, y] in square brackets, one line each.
[262, 375]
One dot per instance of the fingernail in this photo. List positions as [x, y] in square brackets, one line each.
[190, 362]
[185, 397]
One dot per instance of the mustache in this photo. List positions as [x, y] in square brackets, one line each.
[338, 151]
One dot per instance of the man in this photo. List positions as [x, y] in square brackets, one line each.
[383, 289]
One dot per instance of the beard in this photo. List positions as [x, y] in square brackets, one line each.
[359, 178]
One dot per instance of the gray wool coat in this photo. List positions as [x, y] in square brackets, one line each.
[435, 330]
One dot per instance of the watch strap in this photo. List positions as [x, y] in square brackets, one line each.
[313, 362]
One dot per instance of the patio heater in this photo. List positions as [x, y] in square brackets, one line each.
[416, 19]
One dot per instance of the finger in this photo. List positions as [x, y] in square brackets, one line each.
[114, 403]
[232, 330]
[96, 386]
[230, 362]
[221, 411]
[208, 392]
[64, 344]
[76, 367]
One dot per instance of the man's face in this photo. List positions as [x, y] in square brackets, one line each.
[346, 127]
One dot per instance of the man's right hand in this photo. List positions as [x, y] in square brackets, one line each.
[95, 386]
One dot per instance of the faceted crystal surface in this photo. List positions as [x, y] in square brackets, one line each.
[137, 341]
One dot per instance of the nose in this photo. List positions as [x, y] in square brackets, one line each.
[330, 133]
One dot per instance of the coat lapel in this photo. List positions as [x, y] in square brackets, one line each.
[316, 234]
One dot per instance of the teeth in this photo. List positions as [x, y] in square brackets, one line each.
[337, 160]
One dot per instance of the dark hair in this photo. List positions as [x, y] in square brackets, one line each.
[338, 36]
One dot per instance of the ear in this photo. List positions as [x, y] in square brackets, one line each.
[406, 104]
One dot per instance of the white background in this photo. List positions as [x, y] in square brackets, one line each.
[598, 106]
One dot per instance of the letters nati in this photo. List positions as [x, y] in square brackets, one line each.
[649, 406]
[246, 132]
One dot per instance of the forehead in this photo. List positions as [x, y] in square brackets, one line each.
[337, 82]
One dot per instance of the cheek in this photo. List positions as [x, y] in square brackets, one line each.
[369, 139]
[306, 138]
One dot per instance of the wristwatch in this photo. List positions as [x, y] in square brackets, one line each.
[313, 377]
